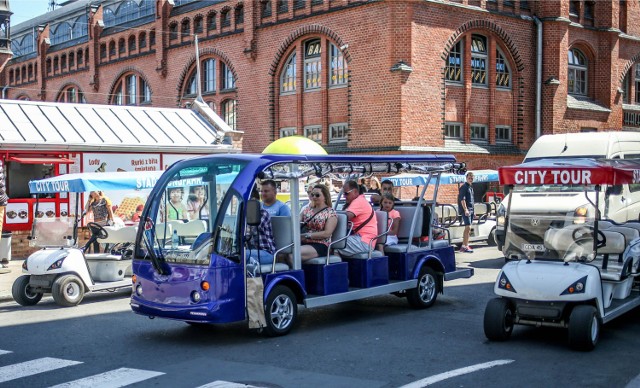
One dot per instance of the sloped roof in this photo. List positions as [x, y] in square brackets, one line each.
[85, 127]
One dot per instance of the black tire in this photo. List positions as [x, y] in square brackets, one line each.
[426, 292]
[491, 239]
[68, 290]
[280, 311]
[498, 320]
[22, 292]
[584, 328]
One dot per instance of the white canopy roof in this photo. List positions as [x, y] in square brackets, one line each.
[28, 125]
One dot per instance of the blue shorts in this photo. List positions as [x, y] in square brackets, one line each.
[466, 220]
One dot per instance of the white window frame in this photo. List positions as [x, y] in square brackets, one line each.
[507, 130]
[479, 62]
[313, 132]
[209, 73]
[228, 82]
[484, 133]
[455, 55]
[574, 69]
[312, 67]
[500, 73]
[339, 74]
[460, 127]
[340, 128]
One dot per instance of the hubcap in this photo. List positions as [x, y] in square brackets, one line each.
[72, 291]
[29, 293]
[594, 329]
[281, 312]
[427, 288]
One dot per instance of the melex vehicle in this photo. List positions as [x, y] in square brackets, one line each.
[582, 271]
[483, 226]
[61, 267]
[207, 279]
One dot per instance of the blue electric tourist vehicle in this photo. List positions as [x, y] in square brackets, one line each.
[205, 278]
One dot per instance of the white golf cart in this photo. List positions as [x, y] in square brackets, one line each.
[583, 271]
[61, 267]
[483, 226]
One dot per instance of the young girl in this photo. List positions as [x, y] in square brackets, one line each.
[386, 204]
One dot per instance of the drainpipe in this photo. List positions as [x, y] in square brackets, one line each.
[4, 92]
[538, 76]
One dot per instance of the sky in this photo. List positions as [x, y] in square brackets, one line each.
[24, 10]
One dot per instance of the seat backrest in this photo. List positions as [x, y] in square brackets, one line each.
[340, 231]
[122, 235]
[383, 225]
[406, 214]
[282, 236]
[162, 228]
[192, 228]
[480, 209]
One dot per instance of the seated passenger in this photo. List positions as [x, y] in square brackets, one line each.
[363, 218]
[387, 204]
[260, 238]
[318, 220]
[177, 209]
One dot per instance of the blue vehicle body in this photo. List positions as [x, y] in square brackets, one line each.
[205, 279]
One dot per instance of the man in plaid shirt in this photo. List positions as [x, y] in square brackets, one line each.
[262, 235]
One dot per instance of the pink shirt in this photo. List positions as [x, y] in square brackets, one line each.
[393, 215]
[362, 209]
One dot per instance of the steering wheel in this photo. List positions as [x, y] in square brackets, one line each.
[98, 230]
[586, 231]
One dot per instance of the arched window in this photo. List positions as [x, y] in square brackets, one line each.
[211, 21]
[312, 64]
[30, 71]
[112, 49]
[63, 62]
[503, 73]
[109, 17]
[121, 47]
[72, 59]
[288, 76]
[56, 64]
[71, 94]
[208, 76]
[229, 112]
[48, 66]
[225, 18]
[636, 80]
[132, 43]
[228, 80]
[131, 89]
[128, 10]
[338, 74]
[197, 25]
[80, 27]
[61, 33]
[152, 38]
[18, 75]
[239, 14]
[173, 31]
[11, 77]
[186, 28]
[103, 51]
[577, 77]
[143, 39]
[479, 60]
[453, 68]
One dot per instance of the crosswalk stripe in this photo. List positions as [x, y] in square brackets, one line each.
[225, 384]
[112, 379]
[5, 352]
[33, 367]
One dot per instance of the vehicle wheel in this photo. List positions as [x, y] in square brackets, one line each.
[68, 290]
[498, 320]
[584, 327]
[280, 311]
[425, 294]
[22, 292]
[491, 239]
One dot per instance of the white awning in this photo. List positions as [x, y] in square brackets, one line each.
[85, 127]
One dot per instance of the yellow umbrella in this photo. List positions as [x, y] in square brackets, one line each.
[295, 145]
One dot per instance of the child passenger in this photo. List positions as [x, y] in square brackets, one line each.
[387, 205]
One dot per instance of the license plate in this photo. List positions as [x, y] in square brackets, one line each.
[533, 247]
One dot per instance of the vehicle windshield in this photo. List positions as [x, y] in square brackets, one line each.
[549, 231]
[185, 212]
[554, 188]
[53, 232]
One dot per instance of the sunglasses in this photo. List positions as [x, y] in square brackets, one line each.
[349, 192]
[315, 195]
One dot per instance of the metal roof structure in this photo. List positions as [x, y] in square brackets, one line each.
[28, 125]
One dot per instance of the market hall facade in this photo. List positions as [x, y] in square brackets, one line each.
[471, 78]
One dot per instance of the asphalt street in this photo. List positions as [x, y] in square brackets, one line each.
[376, 342]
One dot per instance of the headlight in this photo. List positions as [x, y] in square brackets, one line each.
[24, 265]
[580, 214]
[139, 290]
[57, 264]
[505, 284]
[195, 296]
[577, 287]
[501, 214]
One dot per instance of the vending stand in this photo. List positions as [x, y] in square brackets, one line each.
[42, 139]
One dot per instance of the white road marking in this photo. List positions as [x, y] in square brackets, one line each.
[112, 379]
[225, 384]
[456, 372]
[5, 352]
[33, 367]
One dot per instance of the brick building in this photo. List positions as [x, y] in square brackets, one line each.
[438, 76]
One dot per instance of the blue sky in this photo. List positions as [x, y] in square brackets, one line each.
[24, 10]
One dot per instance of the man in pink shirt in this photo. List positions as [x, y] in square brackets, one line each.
[363, 217]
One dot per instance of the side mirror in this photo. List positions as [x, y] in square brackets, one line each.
[253, 216]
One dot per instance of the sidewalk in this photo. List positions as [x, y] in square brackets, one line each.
[7, 279]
